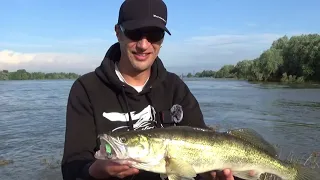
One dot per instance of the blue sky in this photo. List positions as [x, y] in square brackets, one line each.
[43, 35]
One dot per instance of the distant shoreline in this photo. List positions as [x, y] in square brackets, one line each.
[22, 74]
[36, 79]
[294, 84]
[291, 60]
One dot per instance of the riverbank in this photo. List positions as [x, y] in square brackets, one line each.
[22, 74]
[307, 84]
[293, 60]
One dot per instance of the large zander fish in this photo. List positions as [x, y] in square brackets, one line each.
[183, 152]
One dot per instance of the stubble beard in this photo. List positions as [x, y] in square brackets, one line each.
[133, 67]
[137, 66]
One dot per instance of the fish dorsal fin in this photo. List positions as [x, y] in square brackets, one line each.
[253, 137]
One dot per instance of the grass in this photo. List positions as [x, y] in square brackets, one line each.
[311, 162]
[4, 162]
[51, 163]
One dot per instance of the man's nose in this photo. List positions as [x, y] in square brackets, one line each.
[143, 43]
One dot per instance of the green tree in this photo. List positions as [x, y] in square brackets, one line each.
[205, 73]
[22, 74]
[225, 72]
[242, 69]
[269, 63]
[294, 59]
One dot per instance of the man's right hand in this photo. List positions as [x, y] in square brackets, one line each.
[103, 169]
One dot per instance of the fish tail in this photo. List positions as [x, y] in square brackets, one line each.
[305, 173]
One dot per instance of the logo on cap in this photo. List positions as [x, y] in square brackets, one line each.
[159, 18]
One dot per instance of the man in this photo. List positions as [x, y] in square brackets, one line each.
[130, 90]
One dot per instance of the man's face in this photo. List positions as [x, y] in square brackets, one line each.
[141, 46]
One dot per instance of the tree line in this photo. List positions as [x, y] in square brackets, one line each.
[22, 74]
[295, 59]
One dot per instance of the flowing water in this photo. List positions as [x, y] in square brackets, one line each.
[32, 119]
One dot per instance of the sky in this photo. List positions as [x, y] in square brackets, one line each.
[73, 36]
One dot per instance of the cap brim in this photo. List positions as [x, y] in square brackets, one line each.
[137, 24]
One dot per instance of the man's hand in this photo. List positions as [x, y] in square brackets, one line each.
[226, 174]
[103, 169]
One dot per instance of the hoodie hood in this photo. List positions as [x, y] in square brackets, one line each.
[106, 71]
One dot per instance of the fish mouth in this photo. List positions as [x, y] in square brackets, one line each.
[111, 148]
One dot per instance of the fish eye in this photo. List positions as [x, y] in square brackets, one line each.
[123, 139]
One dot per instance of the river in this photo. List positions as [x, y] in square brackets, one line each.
[32, 119]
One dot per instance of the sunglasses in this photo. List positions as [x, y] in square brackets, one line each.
[151, 35]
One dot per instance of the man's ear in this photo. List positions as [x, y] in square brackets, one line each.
[117, 31]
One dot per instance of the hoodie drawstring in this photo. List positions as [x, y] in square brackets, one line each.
[128, 109]
[130, 123]
[158, 124]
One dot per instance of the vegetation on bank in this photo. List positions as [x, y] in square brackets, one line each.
[295, 59]
[22, 74]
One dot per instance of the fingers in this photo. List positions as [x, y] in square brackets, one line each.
[117, 169]
[102, 169]
[217, 175]
[129, 172]
[214, 174]
[121, 171]
[222, 175]
[252, 173]
[228, 174]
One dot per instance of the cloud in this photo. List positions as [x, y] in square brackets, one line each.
[240, 40]
[21, 42]
[53, 55]
[48, 62]
[181, 56]
[212, 52]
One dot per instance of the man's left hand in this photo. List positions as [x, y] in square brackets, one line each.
[226, 174]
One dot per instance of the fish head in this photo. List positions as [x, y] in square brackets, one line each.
[124, 147]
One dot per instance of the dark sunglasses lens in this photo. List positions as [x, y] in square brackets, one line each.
[155, 36]
[152, 36]
[133, 35]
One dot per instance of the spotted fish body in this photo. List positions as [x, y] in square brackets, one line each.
[183, 152]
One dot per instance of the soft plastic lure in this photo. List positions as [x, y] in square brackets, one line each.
[108, 150]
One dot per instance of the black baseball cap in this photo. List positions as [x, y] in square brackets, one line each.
[135, 14]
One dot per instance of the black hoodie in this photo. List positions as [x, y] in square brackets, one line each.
[99, 102]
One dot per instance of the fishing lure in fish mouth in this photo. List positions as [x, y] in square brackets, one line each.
[108, 150]
[105, 151]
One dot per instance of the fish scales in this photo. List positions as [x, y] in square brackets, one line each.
[185, 151]
[214, 150]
